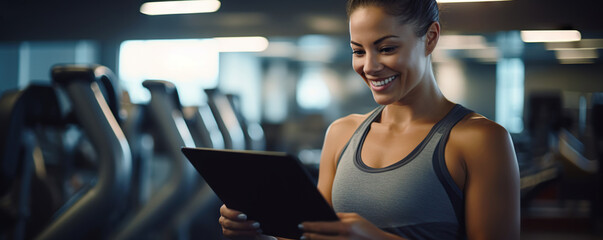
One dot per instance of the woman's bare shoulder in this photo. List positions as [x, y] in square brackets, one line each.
[478, 138]
[348, 122]
[476, 127]
[343, 128]
[339, 132]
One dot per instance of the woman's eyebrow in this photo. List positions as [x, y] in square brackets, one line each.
[376, 41]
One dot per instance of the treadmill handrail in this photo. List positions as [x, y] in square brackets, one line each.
[234, 137]
[94, 72]
[166, 113]
[98, 122]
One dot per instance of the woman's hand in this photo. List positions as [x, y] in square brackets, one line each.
[350, 226]
[236, 226]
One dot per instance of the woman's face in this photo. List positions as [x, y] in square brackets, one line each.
[388, 55]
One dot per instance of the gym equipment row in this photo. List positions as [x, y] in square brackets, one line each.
[560, 156]
[78, 161]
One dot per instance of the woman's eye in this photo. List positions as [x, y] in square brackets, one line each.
[388, 49]
[357, 52]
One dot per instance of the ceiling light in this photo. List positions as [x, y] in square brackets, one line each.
[584, 43]
[241, 44]
[179, 7]
[550, 36]
[462, 42]
[588, 53]
[466, 1]
[576, 61]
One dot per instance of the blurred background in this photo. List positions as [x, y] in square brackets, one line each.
[270, 75]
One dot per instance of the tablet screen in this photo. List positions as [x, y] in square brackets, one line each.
[270, 187]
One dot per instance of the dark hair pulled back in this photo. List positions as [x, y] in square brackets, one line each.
[420, 13]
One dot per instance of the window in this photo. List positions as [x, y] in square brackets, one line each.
[510, 93]
[191, 64]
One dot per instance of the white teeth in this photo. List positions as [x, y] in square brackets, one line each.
[386, 81]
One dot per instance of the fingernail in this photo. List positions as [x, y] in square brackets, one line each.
[242, 216]
[302, 238]
[300, 226]
[255, 225]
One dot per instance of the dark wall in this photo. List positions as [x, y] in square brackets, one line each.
[9, 66]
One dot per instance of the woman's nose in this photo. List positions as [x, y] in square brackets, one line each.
[372, 64]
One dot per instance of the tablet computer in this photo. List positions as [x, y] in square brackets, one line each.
[272, 188]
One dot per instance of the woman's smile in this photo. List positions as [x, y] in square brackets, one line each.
[382, 84]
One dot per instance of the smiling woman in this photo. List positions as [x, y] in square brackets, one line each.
[419, 166]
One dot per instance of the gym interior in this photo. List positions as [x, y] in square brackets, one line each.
[98, 97]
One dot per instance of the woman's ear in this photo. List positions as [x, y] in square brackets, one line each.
[431, 37]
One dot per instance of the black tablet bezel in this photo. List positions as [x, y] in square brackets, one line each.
[272, 188]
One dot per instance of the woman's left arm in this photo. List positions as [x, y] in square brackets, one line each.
[492, 191]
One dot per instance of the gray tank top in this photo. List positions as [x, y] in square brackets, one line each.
[415, 197]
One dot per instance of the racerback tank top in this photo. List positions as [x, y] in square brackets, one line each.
[415, 197]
